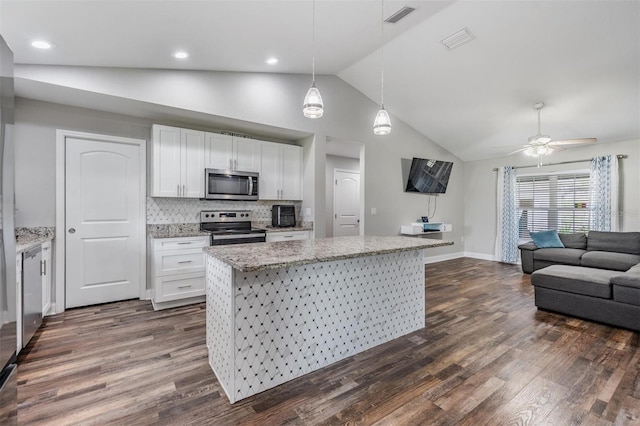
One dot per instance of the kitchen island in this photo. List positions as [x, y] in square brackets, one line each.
[276, 311]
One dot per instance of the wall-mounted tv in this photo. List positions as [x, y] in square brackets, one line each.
[428, 176]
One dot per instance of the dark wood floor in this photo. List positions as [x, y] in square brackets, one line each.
[486, 356]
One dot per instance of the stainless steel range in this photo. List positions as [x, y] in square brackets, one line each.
[230, 227]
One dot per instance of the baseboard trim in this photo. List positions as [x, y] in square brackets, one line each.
[481, 256]
[443, 257]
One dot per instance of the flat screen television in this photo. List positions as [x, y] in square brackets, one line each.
[428, 176]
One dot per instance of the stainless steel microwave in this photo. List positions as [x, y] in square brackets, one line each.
[230, 185]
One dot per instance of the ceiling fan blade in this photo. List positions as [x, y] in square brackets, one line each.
[556, 147]
[518, 150]
[572, 141]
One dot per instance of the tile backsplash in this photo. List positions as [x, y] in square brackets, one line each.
[183, 210]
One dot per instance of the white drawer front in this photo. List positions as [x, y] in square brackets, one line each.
[179, 287]
[181, 243]
[287, 236]
[180, 262]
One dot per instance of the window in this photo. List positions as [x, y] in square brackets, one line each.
[559, 201]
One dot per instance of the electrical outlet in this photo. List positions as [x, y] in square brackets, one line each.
[374, 210]
[447, 227]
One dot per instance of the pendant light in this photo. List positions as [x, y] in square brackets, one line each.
[312, 106]
[382, 123]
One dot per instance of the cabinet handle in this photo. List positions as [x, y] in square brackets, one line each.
[184, 286]
[41, 273]
[185, 261]
[230, 164]
[178, 190]
[184, 190]
[185, 242]
[44, 264]
[287, 236]
[235, 166]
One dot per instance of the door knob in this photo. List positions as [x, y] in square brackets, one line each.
[72, 230]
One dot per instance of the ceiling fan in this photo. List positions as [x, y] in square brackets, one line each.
[540, 145]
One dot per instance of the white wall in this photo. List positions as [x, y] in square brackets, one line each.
[481, 199]
[335, 162]
[169, 96]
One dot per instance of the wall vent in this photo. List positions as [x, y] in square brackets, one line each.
[399, 15]
[458, 38]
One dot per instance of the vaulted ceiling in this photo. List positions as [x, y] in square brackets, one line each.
[582, 58]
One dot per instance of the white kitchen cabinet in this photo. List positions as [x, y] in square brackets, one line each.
[287, 236]
[178, 271]
[280, 172]
[45, 269]
[177, 162]
[227, 152]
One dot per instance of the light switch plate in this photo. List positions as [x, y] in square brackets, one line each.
[374, 210]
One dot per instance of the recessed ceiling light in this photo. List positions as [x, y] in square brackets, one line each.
[181, 55]
[272, 61]
[41, 44]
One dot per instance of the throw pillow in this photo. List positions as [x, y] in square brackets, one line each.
[546, 239]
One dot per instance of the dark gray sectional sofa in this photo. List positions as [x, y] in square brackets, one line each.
[596, 276]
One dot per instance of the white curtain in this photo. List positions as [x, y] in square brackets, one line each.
[507, 239]
[604, 193]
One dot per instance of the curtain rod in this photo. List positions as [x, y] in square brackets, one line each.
[620, 157]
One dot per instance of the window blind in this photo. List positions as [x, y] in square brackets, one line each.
[558, 201]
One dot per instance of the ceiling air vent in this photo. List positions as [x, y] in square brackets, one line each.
[457, 39]
[399, 15]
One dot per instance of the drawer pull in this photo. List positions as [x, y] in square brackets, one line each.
[287, 236]
[184, 286]
[185, 242]
[185, 261]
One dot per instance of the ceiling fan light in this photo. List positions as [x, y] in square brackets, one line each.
[312, 106]
[382, 123]
[530, 152]
[541, 150]
[544, 138]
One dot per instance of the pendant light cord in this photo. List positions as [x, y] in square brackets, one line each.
[382, 54]
[313, 44]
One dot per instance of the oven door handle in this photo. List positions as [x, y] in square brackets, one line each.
[237, 237]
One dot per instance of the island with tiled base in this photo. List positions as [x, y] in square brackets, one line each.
[277, 311]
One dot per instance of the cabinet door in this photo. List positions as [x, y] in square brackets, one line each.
[218, 151]
[247, 154]
[166, 161]
[270, 171]
[46, 277]
[192, 164]
[291, 173]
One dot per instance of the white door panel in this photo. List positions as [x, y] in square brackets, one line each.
[346, 204]
[192, 164]
[103, 190]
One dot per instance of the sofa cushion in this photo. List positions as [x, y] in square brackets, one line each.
[575, 279]
[577, 241]
[546, 239]
[619, 242]
[609, 260]
[626, 287]
[566, 256]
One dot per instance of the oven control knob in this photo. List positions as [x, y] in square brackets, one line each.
[206, 215]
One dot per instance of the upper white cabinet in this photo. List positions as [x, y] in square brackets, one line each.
[229, 152]
[281, 172]
[178, 162]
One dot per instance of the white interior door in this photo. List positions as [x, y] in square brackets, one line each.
[103, 218]
[346, 203]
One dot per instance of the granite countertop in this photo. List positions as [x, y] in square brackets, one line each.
[270, 228]
[263, 256]
[175, 230]
[28, 238]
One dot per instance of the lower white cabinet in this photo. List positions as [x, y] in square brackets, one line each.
[287, 236]
[45, 271]
[177, 270]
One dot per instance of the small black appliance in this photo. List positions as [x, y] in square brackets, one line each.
[283, 215]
